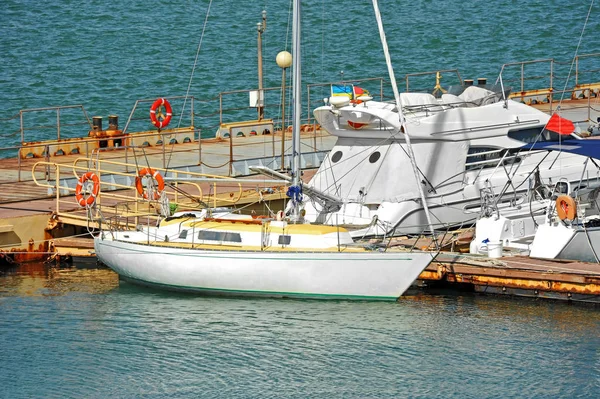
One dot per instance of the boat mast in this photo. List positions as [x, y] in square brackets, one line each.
[295, 190]
[411, 154]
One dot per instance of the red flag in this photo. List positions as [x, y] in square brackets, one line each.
[560, 125]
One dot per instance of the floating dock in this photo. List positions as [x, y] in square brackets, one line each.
[515, 276]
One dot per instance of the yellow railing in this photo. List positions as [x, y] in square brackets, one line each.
[114, 192]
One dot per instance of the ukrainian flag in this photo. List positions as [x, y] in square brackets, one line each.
[343, 90]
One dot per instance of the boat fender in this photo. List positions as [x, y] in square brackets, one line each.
[566, 207]
[160, 183]
[79, 195]
[165, 118]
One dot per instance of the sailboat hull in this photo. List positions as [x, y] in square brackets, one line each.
[318, 275]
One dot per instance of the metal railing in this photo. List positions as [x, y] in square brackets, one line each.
[117, 188]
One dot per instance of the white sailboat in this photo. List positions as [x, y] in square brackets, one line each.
[260, 257]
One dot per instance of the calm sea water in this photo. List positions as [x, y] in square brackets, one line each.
[106, 55]
[79, 333]
[72, 333]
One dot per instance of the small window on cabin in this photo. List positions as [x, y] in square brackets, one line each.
[285, 239]
[208, 235]
[483, 157]
[183, 234]
[336, 157]
[232, 237]
[488, 157]
[374, 157]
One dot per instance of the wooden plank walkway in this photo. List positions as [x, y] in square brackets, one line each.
[517, 276]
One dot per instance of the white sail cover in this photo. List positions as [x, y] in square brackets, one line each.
[358, 171]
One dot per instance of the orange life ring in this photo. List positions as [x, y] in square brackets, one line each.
[79, 194]
[149, 172]
[566, 207]
[166, 118]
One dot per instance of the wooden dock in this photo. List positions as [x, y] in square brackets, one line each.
[515, 276]
[38, 206]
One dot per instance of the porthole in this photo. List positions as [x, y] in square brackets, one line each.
[336, 157]
[374, 157]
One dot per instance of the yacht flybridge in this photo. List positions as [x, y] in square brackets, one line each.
[463, 146]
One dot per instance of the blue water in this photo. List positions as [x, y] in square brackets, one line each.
[75, 333]
[106, 55]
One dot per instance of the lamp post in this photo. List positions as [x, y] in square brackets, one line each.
[284, 61]
[260, 27]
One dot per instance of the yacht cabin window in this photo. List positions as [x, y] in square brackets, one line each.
[209, 235]
[374, 157]
[183, 234]
[336, 156]
[530, 135]
[488, 157]
[284, 239]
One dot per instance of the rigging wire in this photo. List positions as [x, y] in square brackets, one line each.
[576, 52]
[191, 78]
[572, 64]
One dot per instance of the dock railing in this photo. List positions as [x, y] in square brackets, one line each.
[118, 196]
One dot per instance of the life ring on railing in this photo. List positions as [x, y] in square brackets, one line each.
[566, 207]
[153, 174]
[153, 113]
[80, 195]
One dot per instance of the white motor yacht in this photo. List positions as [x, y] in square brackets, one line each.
[463, 146]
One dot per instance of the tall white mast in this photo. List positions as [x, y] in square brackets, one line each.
[295, 190]
[296, 92]
[411, 154]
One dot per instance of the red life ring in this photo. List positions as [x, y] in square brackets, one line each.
[79, 194]
[165, 118]
[149, 172]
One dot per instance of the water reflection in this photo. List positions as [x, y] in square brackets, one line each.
[40, 279]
